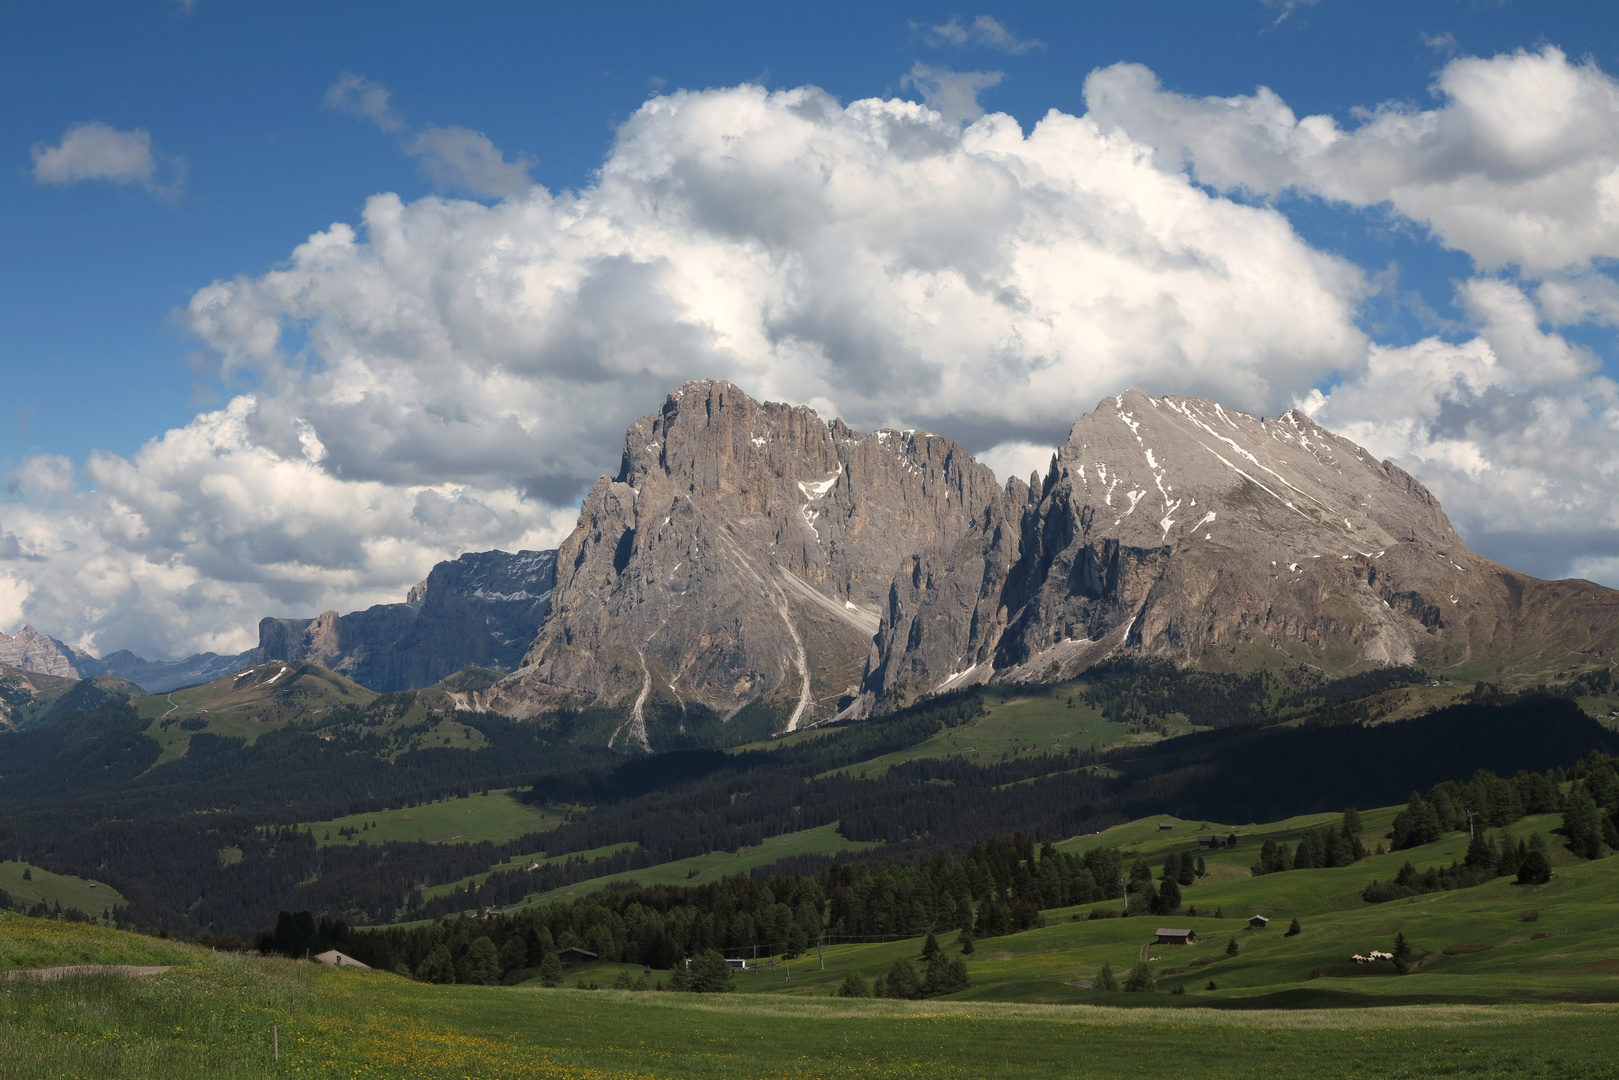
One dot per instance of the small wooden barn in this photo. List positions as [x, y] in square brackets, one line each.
[338, 959]
[1174, 936]
[1258, 922]
[573, 954]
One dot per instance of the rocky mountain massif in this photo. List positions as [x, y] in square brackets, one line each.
[752, 568]
[741, 561]
[1173, 527]
[756, 561]
[481, 609]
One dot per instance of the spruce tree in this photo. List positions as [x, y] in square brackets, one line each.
[1231, 947]
[966, 942]
[854, 986]
[1535, 869]
[1141, 978]
[1105, 979]
[1352, 829]
[930, 947]
[514, 954]
[1202, 871]
[551, 970]
[945, 976]
[482, 963]
[902, 982]
[1294, 929]
[437, 966]
[1584, 835]
[1169, 896]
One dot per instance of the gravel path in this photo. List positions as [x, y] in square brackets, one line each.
[82, 969]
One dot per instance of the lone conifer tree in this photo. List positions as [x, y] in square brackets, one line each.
[1105, 979]
[551, 970]
[1231, 947]
[1294, 929]
[902, 981]
[1535, 869]
[1352, 828]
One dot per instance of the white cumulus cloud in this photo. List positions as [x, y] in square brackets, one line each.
[98, 151]
[1518, 166]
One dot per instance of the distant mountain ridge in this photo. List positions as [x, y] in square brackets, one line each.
[482, 609]
[33, 651]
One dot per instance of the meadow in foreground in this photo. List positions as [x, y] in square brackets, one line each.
[212, 1016]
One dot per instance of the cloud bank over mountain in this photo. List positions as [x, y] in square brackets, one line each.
[447, 375]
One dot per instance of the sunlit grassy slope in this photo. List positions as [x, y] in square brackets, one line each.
[1021, 723]
[90, 897]
[494, 815]
[247, 704]
[823, 840]
[213, 1016]
[1568, 951]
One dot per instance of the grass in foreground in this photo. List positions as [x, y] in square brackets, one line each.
[212, 1017]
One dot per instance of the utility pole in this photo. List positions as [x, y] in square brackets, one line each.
[820, 949]
[1471, 814]
[1124, 891]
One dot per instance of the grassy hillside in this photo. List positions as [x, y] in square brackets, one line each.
[27, 695]
[90, 897]
[246, 705]
[823, 840]
[491, 815]
[213, 1014]
[1020, 723]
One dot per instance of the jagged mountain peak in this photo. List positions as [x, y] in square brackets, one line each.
[1158, 466]
[741, 556]
[1177, 528]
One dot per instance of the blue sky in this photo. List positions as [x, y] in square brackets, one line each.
[104, 281]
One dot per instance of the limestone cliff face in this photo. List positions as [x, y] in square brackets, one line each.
[1173, 527]
[482, 608]
[742, 556]
[30, 650]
